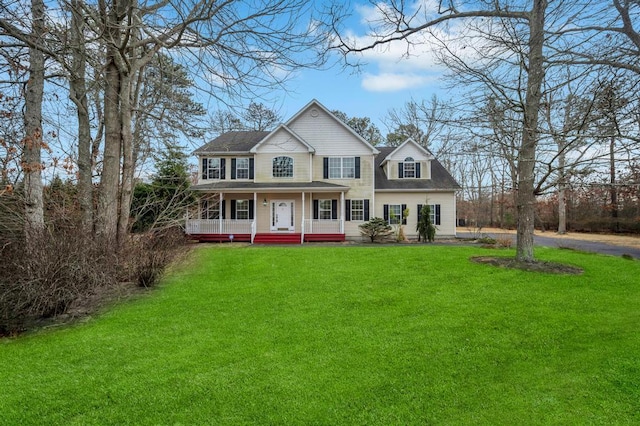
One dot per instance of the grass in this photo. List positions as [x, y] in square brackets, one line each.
[344, 335]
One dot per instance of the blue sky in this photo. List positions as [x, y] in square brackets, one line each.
[387, 81]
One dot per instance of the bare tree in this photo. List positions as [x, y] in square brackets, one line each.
[515, 34]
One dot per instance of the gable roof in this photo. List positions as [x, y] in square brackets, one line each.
[232, 142]
[287, 130]
[426, 152]
[441, 179]
[315, 103]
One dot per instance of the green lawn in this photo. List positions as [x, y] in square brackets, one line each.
[344, 335]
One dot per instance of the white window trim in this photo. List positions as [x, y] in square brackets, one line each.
[360, 210]
[210, 169]
[238, 210]
[321, 210]
[393, 217]
[238, 168]
[273, 174]
[343, 167]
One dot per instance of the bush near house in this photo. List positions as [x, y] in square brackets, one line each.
[376, 228]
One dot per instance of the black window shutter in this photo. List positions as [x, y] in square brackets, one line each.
[386, 212]
[316, 209]
[251, 204]
[204, 168]
[347, 208]
[417, 170]
[224, 212]
[400, 170]
[233, 209]
[402, 209]
[222, 168]
[419, 212]
[233, 168]
[251, 166]
[334, 209]
[325, 168]
[366, 210]
[437, 214]
[357, 161]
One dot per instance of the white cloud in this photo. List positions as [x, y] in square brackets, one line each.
[402, 65]
[393, 82]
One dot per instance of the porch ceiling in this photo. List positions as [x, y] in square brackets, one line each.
[270, 187]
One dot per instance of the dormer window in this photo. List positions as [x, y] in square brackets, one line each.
[282, 167]
[409, 169]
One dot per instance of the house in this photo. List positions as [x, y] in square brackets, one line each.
[314, 179]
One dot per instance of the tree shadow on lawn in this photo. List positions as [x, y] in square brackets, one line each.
[537, 266]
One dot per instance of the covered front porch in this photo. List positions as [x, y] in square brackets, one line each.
[291, 214]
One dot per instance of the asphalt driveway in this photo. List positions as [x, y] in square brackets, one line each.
[576, 244]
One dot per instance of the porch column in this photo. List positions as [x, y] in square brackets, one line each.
[220, 213]
[302, 228]
[342, 212]
[255, 206]
[311, 215]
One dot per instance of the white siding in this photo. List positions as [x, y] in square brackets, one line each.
[327, 135]
[447, 210]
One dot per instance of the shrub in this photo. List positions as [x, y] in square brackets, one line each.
[426, 229]
[147, 255]
[487, 240]
[43, 279]
[61, 268]
[505, 242]
[375, 228]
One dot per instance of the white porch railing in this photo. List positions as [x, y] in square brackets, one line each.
[213, 226]
[314, 226]
[254, 230]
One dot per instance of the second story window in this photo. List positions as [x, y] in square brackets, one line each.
[242, 168]
[282, 167]
[341, 168]
[409, 169]
[213, 168]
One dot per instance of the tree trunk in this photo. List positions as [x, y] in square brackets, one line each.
[126, 190]
[78, 95]
[32, 157]
[527, 153]
[107, 218]
[613, 192]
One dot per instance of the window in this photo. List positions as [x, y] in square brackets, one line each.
[341, 168]
[282, 167]
[324, 209]
[409, 168]
[210, 209]
[213, 168]
[393, 213]
[434, 213]
[335, 168]
[242, 168]
[242, 209]
[357, 209]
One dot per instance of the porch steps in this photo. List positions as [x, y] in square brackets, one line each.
[220, 238]
[277, 239]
